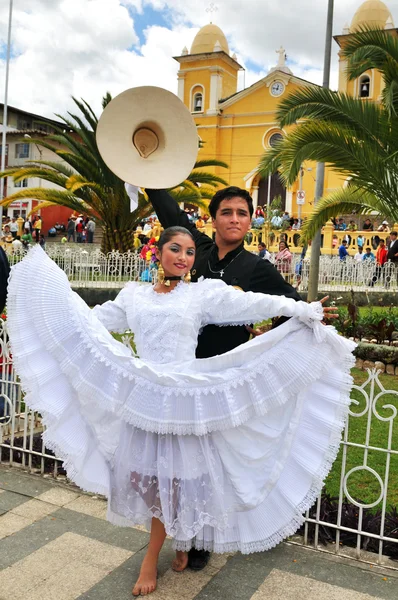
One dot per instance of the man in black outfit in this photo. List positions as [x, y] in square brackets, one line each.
[225, 258]
[393, 248]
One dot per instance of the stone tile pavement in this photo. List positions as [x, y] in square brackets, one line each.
[55, 544]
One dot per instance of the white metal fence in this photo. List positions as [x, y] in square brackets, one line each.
[368, 462]
[89, 267]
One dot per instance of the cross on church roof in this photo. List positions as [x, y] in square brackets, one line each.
[212, 8]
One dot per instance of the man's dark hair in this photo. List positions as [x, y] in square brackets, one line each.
[226, 194]
[262, 244]
[344, 241]
[171, 232]
[393, 233]
[368, 248]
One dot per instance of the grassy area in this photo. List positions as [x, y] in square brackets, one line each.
[362, 485]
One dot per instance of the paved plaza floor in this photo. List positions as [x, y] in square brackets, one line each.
[55, 544]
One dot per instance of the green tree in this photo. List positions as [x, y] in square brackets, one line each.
[355, 137]
[90, 187]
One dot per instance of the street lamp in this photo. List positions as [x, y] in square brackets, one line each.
[320, 168]
[5, 111]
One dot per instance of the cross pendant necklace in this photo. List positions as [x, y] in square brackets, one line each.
[221, 273]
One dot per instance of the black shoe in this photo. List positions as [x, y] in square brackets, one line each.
[198, 559]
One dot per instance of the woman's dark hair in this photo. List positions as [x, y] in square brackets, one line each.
[226, 194]
[171, 232]
[284, 242]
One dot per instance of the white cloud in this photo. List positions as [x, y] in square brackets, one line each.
[87, 47]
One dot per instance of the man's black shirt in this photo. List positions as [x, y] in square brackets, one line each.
[240, 268]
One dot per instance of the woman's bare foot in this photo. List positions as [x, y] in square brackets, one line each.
[146, 582]
[180, 562]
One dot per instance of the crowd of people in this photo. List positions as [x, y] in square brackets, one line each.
[31, 233]
[79, 229]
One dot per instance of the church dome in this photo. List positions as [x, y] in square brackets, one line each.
[372, 12]
[207, 39]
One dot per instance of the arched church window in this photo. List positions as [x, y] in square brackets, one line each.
[274, 139]
[198, 102]
[364, 86]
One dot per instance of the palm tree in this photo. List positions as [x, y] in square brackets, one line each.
[355, 137]
[87, 185]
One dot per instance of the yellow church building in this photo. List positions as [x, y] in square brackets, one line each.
[237, 127]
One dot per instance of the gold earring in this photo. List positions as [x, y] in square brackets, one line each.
[187, 277]
[160, 274]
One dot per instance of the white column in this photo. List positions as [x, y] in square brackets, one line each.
[215, 90]
[181, 86]
[289, 201]
[254, 196]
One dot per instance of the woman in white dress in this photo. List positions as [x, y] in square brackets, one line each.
[222, 454]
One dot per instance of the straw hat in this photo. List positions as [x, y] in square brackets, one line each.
[148, 138]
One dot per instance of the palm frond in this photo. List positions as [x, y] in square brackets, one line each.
[210, 162]
[206, 178]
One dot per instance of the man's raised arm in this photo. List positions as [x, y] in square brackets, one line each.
[170, 214]
[168, 211]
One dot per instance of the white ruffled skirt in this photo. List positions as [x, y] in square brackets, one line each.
[228, 451]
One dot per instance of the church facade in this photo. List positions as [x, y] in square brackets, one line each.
[237, 127]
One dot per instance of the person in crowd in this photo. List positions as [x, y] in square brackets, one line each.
[340, 226]
[343, 252]
[296, 225]
[259, 212]
[17, 246]
[276, 220]
[352, 226]
[71, 230]
[359, 255]
[381, 259]
[27, 239]
[27, 226]
[286, 216]
[262, 251]
[368, 256]
[90, 229]
[258, 222]
[384, 227]
[37, 227]
[381, 254]
[360, 241]
[283, 261]
[200, 223]
[79, 230]
[147, 227]
[367, 225]
[6, 233]
[42, 241]
[392, 254]
[14, 228]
